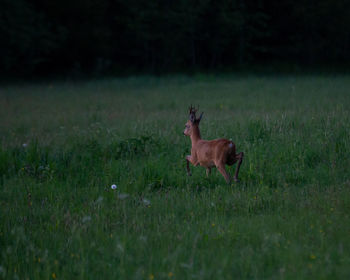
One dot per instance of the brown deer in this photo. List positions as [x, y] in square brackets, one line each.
[215, 153]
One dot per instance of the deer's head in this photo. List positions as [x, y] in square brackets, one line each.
[192, 122]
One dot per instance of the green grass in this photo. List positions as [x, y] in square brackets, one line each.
[288, 218]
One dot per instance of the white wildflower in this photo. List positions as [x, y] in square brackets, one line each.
[113, 187]
[146, 202]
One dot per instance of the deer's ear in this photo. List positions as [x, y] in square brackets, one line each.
[192, 117]
[200, 117]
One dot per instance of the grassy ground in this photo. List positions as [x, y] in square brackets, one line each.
[64, 144]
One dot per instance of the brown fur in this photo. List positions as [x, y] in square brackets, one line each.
[215, 153]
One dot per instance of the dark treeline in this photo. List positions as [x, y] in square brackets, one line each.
[99, 36]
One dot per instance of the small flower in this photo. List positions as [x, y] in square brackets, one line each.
[146, 202]
[312, 256]
[53, 275]
[113, 187]
[213, 225]
[24, 145]
[151, 277]
[170, 274]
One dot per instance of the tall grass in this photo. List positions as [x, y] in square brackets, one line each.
[64, 144]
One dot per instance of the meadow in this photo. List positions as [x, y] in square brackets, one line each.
[64, 143]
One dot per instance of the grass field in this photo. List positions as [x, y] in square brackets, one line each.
[63, 145]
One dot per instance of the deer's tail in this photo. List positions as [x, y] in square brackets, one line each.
[231, 153]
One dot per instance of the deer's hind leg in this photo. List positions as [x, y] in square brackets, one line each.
[222, 170]
[239, 158]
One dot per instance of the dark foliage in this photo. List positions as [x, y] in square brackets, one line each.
[99, 36]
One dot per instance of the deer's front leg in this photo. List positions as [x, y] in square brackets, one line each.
[193, 160]
[188, 159]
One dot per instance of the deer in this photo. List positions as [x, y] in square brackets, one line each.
[210, 153]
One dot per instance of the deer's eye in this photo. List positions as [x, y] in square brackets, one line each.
[187, 126]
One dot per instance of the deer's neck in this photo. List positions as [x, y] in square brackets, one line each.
[195, 136]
